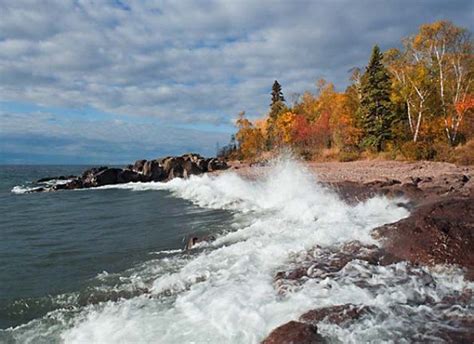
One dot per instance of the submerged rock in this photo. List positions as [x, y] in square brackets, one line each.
[193, 240]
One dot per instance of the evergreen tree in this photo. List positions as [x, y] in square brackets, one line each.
[376, 113]
[277, 107]
[277, 94]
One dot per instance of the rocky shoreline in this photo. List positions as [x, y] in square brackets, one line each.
[157, 170]
[439, 230]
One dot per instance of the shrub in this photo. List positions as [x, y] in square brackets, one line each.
[464, 155]
[418, 151]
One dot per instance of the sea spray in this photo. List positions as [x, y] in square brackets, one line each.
[226, 293]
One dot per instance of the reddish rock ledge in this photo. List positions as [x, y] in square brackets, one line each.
[294, 332]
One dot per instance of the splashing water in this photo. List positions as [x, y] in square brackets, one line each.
[225, 291]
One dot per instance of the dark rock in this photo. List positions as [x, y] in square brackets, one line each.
[153, 171]
[202, 164]
[340, 314]
[294, 332]
[107, 177]
[192, 157]
[48, 179]
[216, 165]
[128, 176]
[173, 167]
[88, 177]
[191, 168]
[141, 171]
[193, 240]
[138, 165]
[73, 184]
[439, 232]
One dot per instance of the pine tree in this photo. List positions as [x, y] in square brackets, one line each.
[277, 94]
[376, 111]
[277, 107]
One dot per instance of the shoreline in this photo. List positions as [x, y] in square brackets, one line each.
[440, 197]
[438, 230]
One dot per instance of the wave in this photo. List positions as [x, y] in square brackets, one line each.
[226, 292]
[35, 187]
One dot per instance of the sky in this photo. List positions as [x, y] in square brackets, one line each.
[114, 81]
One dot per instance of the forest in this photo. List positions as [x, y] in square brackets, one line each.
[410, 103]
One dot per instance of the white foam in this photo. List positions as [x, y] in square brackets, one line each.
[23, 189]
[225, 294]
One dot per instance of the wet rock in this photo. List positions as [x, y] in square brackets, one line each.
[73, 184]
[193, 240]
[294, 332]
[88, 177]
[173, 167]
[48, 179]
[340, 314]
[440, 232]
[128, 176]
[216, 165]
[138, 165]
[191, 168]
[107, 177]
[153, 171]
[141, 171]
[324, 262]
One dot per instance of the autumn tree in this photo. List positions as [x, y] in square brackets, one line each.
[375, 106]
[447, 52]
[250, 138]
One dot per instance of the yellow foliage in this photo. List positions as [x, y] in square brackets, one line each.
[284, 127]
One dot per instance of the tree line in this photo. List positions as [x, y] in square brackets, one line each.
[416, 102]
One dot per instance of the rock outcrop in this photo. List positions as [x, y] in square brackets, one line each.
[437, 232]
[294, 332]
[156, 170]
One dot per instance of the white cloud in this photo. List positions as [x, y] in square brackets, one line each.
[193, 61]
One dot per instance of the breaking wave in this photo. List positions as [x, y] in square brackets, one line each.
[225, 291]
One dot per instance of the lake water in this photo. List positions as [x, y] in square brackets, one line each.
[105, 265]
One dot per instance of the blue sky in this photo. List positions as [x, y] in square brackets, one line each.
[114, 81]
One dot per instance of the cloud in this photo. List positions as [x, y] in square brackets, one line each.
[193, 62]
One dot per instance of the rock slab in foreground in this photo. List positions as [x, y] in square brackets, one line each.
[294, 332]
[157, 170]
[438, 232]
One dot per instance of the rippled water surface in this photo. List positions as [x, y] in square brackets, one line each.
[104, 265]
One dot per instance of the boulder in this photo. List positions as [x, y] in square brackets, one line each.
[193, 240]
[48, 179]
[153, 171]
[88, 176]
[191, 157]
[294, 332]
[128, 176]
[173, 167]
[107, 177]
[202, 164]
[191, 168]
[138, 165]
[216, 164]
[73, 184]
